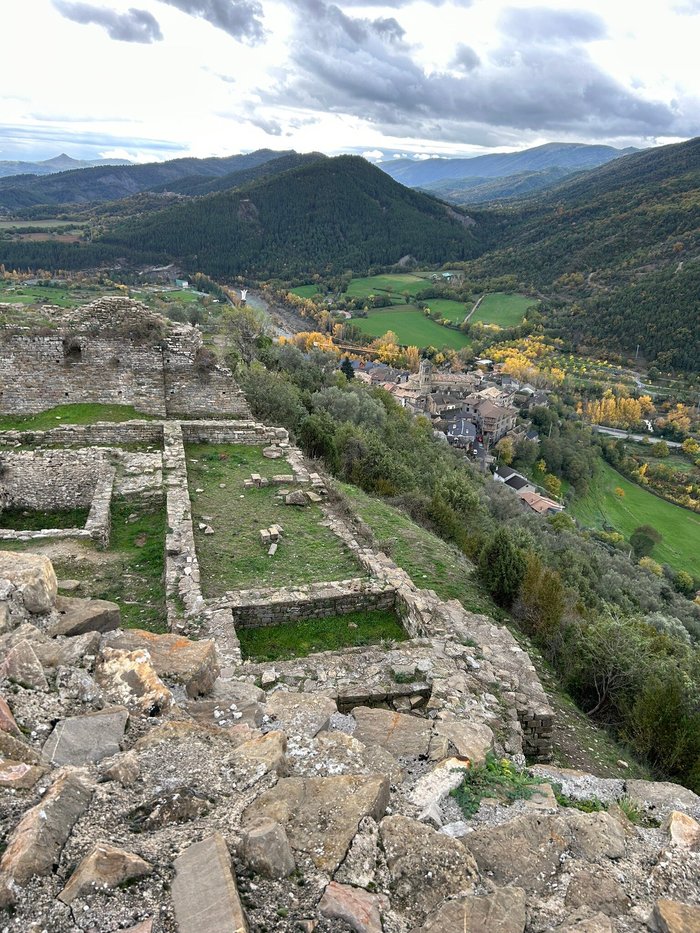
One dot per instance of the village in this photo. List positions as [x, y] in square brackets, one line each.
[473, 412]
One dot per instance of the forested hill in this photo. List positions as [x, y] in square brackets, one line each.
[197, 185]
[330, 215]
[624, 241]
[112, 182]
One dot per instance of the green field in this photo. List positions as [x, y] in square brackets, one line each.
[680, 547]
[305, 291]
[234, 556]
[395, 285]
[43, 224]
[299, 639]
[454, 311]
[503, 310]
[70, 414]
[412, 328]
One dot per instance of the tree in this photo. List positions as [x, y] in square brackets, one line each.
[684, 583]
[505, 451]
[644, 539]
[242, 328]
[346, 368]
[502, 567]
[540, 604]
[660, 449]
[552, 484]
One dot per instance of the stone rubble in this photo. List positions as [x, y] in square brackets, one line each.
[162, 784]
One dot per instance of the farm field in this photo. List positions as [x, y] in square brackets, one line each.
[503, 310]
[454, 311]
[383, 284]
[680, 547]
[411, 327]
[305, 291]
[63, 296]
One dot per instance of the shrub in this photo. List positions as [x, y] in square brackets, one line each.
[502, 567]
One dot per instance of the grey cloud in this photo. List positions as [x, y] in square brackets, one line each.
[132, 26]
[239, 18]
[349, 65]
[540, 24]
[271, 127]
[465, 58]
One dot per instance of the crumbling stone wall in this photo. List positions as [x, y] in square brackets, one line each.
[114, 351]
[46, 480]
[40, 372]
[270, 606]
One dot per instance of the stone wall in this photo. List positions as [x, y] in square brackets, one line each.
[231, 432]
[46, 480]
[114, 351]
[255, 608]
[90, 435]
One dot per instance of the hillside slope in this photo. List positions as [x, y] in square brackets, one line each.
[624, 241]
[327, 216]
[111, 182]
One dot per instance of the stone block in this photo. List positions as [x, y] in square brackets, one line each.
[104, 868]
[194, 664]
[204, 891]
[266, 850]
[321, 815]
[79, 740]
[35, 845]
[33, 576]
[78, 616]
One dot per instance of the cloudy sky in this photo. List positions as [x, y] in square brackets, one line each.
[154, 79]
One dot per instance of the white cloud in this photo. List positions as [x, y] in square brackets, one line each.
[373, 155]
[402, 77]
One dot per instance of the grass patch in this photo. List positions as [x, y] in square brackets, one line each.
[70, 414]
[602, 506]
[496, 778]
[299, 639]
[305, 291]
[430, 561]
[130, 572]
[26, 520]
[503, 310]
[454, 311]
[592, 805]
[390, 285]
[411, 327]
[234, 557]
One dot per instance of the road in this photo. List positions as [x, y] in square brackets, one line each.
[616, 432]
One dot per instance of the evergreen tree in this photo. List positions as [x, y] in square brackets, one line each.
[346, 368]
[502, 567]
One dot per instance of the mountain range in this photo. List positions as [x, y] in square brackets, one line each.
[59, 163]
[112, 182]
[614, 249]
[500, 176]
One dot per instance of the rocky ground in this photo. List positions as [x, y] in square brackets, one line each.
[143, 788]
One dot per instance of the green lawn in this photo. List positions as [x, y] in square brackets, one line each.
[383, 284]
[680, 547]
[129, 572]
[504, 310]
[454, 311]
[411, 327]
[431, 562]
[305, 291]
[299, 639]
[70, 414]
[234, 556]
[25, 520]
